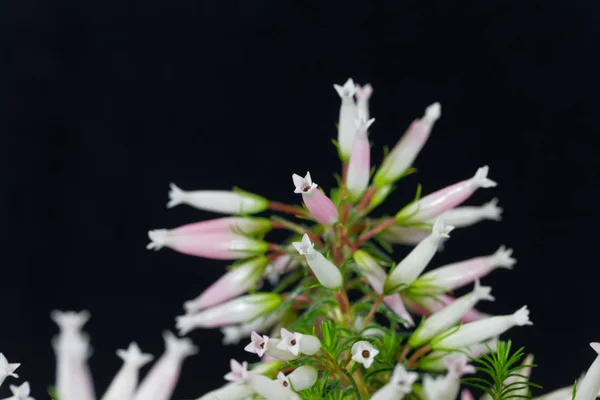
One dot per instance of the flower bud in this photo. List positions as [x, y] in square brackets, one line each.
[320, 206]
[219, 201]
[363, 94]
[237, 281]
[435, 204]
[461, 217]
[402, 156]
[302, 377]
[239, 310]
[479, 331]
[409, 269]
[326, 273]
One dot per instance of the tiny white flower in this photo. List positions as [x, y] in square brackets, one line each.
[258, 344]
[20, 392]
[239, 372]
[281, 378]
[364, 352]
[290, 341]
[400, 384]
[305, 247]
[7, 369]
[303, 185]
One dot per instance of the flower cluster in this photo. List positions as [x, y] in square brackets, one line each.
[342, 317]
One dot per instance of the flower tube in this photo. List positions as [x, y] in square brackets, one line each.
[219, 201]
[590, 384]
[240, 225]
[348, 113]
[435, 204]
[363, 94]
[239, 310]
[320, 206]
[461, 217]
[125, 382]
[326, 273]
[359, 166]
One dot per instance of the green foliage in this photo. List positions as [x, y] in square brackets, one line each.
[503, 372]
[52, 393]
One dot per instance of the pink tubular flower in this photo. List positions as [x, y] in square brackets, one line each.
[376, 275]
[426, 306]
[221, 246]
[239, 372]
[320, 206]
[363, 94]
[433, 205]
[407, 149]
[359, 166]
[160, 381]
[125, 381]
[397, 234]
[239, 225]
[455, 275]
[237, 281]
[466, 395]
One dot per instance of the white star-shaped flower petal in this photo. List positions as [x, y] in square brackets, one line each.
[458, 364]
[303, 185]
[364, 352]
[239, 372]
[348, 90]
[305, 247]
[283, 379]
[258, 344]
[134, 356]
[403, 379]
[290, 341]
[7, 369]
[362, 124]
[20, 392]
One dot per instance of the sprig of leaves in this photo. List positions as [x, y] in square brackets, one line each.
[503, 372]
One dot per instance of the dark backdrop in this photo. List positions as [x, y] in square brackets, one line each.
[107, 102]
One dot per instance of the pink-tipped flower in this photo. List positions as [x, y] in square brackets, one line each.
[589, 386]
[455, 275]
[410, 236]
[479, 331]
[240, 279]
[125, 382]
[240, 225]
[72, 349]
[437, 203]
[326, 273]
[466, 395]
[348, 113]
[162, 378]
[464, 216]
[221, 246]
[238, 373]
[427, 305]
[400, 385]
[449, 315]
[376, 275]
[409, 269]
[258, 344]
[219, 201]
[320, 206]
[359, 166]
[20, 392]
[402, 156]
[239, 310]
[7, 369]
[363, 94]
[298, 343]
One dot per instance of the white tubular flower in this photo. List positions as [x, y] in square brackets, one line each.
[238, 373]
[449, 315]
[162, 378]
[407, 149]
[400, 385]
[434, 361]
[326, 273]
[7, 369]
[124, 383]
[479, 331]
[363, 94]
[258, 344]
[301, 378]
[364, 353]
[447, 387]
[359, 166]
[242, 309]
[274, 351]
[410, 236]
[348, 113]
[219, 201]
[590, 384]
[298, 343]
[20, 392]
[271, 389]
[455, 275]
[465, 216]
[409, 269]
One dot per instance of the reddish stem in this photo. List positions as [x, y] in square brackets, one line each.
[287, 208]
[365, 202]
[345, 214]
[298, 229]
[412, 361]
[376, 230]
[373, 310]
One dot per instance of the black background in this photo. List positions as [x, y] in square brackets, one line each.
[107, 102]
